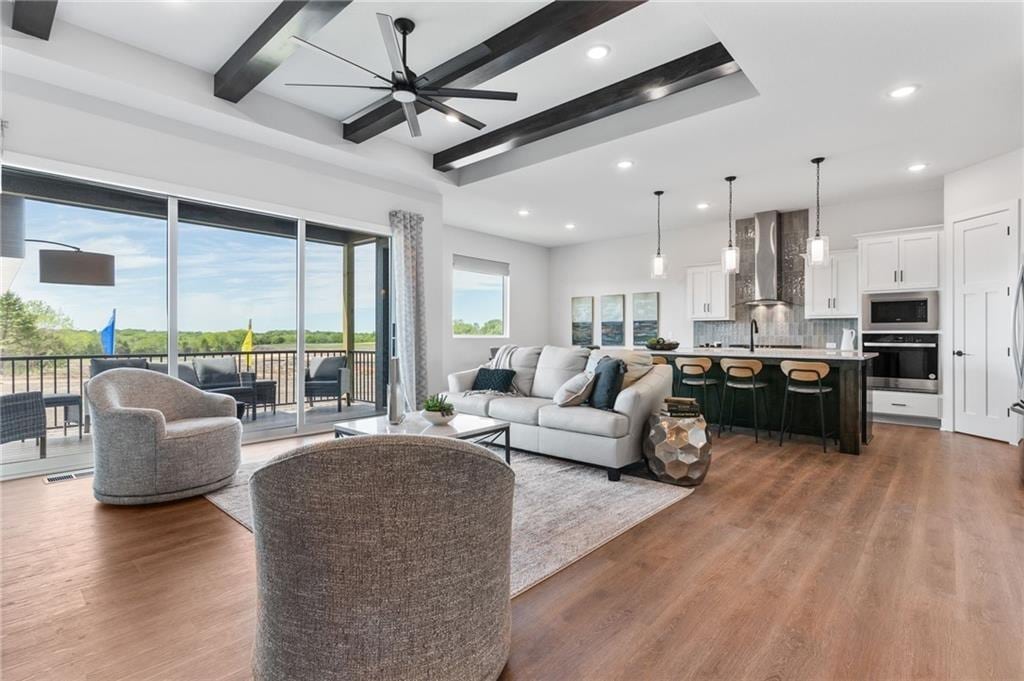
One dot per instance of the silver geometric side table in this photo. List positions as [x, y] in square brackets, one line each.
[678, 450]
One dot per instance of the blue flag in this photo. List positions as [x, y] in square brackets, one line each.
[107, 334]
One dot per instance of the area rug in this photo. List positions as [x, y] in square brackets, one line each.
[561, 512]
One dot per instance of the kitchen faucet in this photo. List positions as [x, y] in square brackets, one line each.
[753, 330]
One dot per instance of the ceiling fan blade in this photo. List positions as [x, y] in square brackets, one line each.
[448, 111]
[356, 87]
[306, 43]
[409, 109]
[469, 94]
[369, 108]
[387, 31]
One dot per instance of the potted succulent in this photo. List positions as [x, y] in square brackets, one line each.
[437, 410]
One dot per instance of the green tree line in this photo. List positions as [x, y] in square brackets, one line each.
[31, 327]
[492, 327]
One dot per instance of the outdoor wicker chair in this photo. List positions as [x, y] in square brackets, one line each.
[23, 416]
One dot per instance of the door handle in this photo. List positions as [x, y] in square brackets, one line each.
[961, 353]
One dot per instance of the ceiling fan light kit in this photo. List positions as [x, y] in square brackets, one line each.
[405, 87]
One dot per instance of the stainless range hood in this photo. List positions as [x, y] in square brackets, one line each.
[767, 259]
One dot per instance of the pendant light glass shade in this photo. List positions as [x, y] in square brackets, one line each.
[730, 260]
[731, 253]
[659, 269]
[817, 245]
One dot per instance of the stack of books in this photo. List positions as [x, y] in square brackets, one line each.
[680, 407]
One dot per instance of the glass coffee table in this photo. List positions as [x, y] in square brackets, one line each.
[478, 429]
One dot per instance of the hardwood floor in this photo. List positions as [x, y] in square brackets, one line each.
[905, 562]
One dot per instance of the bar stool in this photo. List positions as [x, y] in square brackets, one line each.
[741, 374]
[693, 373]
[804, 378]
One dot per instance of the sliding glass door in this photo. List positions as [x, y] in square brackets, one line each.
[206, 293]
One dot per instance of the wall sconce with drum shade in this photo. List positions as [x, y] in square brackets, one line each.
[73, 266]
[76, 266]
[731, 253]
[817, 245]
[659, 269]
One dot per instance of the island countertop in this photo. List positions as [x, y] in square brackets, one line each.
[810, 354]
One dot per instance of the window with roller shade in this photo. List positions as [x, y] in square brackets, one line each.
[479, 297]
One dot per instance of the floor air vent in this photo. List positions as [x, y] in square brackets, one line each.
[70, 475]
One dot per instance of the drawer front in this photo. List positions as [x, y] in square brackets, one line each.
[907, 404]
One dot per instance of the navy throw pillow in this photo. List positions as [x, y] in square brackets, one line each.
[498, 380]
[608, 375]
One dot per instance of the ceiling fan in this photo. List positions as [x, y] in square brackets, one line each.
[404, 86]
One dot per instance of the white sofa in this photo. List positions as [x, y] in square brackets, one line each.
[610, 439]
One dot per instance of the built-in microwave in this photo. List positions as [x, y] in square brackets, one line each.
[910, 311]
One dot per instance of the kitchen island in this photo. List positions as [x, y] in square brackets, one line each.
[848, 406]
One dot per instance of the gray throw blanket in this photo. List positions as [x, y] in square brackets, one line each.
[502, 360]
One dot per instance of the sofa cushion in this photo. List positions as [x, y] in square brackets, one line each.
[524, 363]
[575, 391]
[584, 420]
[471, 404]
[216, 371]
[555, 366]
[496, 380]
[638, 363]
[185, 372]
[517, 409]
[608, 376]
[326, 368]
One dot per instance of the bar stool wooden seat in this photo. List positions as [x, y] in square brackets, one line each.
[741, 374]
[693, 374]
[804, 378]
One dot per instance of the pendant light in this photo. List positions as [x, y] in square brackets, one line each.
[658, 267]
[730, 254]
[817, 246]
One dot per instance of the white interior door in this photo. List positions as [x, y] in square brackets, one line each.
[984, 268]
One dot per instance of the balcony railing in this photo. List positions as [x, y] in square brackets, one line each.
[57, 374]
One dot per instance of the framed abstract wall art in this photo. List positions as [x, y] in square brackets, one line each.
[583, 320]
[645, 317]
[613, 320]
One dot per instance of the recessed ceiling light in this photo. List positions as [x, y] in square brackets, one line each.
[451, 119]
[598, 51]
[903, 91]
[917, 167]
[703, 206]
[625, 165]
[570, 226]
[523, 213]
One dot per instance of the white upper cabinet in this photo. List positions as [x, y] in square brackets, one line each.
[899, 261]
[831, 290]
[710, 293]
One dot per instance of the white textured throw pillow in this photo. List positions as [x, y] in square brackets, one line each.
[575, 391]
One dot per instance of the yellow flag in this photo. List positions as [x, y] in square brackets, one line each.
[247, 346]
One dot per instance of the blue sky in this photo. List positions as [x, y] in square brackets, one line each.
[226, 277]
[476, 298]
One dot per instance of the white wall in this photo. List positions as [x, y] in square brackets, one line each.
[64, 132]
[972, 191]
[528, 295]
[623, 265]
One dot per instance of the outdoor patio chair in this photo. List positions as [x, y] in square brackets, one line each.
[23, 416]
[329, 377]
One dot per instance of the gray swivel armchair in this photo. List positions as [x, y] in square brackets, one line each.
[382, 557]
[156, 438]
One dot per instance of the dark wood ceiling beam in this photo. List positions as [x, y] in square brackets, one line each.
[546, 28]
[34, 17]
[271, 44]
[704, 65]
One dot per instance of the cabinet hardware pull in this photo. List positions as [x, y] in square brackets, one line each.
[901, 275]
[898, 404]
[894, 276]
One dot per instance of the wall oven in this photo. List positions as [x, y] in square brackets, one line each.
[911, 311]
[905, 361]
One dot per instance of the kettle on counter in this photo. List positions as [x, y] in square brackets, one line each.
[848, 336]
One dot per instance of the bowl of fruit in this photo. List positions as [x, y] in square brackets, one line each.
[662, 344]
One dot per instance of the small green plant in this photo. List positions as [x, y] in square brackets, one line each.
[438, 403]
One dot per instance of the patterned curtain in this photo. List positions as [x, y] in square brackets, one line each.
[410, 307]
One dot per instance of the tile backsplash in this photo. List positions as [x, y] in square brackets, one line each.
[779, 325]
